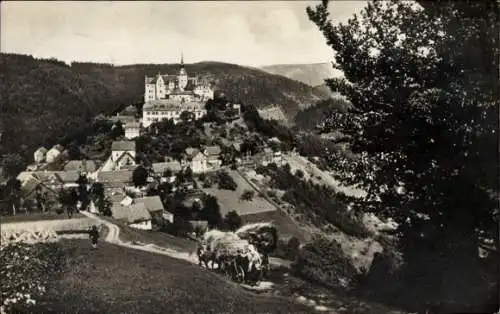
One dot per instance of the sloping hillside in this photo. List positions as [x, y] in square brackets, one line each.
[312, 74]
[42, 100]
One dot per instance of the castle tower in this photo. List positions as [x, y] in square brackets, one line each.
[183, 78]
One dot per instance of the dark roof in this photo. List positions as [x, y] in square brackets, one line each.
[213, 150]
[42, 150]
[191, 151]
[152, 203]
[81, 165]
[131, 214]
[118, 176]
[123, 145]
[60, 176]
[160, 167]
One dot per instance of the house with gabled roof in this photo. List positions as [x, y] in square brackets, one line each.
[155, 208]
[135, 215]
[123, 153]
[195, 159]
[213, 156]
[39, 155]
[54, 153]
[115, 179]
[84, 166]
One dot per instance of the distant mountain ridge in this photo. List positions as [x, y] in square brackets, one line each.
[44, 99]
[312, 74]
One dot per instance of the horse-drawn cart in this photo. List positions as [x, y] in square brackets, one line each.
[241, 256]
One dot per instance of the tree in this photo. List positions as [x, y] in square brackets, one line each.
[188, 174]
[211, 211]
[83, 192]
[247, 195]
[232, 220]
[117, 130]
[423, 83]
[226, 182]
[299, 173]
[12, 164]
[186, 116]
[140, 176]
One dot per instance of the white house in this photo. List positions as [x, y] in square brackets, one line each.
[123, 153]
[39, 155]
[170, 109]
[54, 153]
[135, 215]
[212, 154]
[132, 130]
[195, 159]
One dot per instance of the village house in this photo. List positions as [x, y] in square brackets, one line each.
[39, 155]
[115, 179]
[123, 153]
[265, 157]
[84, 166]
[54, 153]
[123, 118]
[155, 208]
[132, 130]
[33, 187]
[212, 154]
[195, 159]
[135, 215]
[159, 169]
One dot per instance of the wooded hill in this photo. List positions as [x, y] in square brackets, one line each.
[43, 99]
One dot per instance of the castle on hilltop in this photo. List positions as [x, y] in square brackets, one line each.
[167, 96]
[177, 86]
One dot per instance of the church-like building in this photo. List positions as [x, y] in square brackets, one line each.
[177, 87]
[167, 96]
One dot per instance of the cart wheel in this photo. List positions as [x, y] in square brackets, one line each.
[240, 274]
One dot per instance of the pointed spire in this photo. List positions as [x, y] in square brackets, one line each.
[182, 58]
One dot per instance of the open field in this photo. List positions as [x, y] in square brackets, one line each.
[37, 216]
[114, 279]
[286, 227]
[162, 239]
[230, 200]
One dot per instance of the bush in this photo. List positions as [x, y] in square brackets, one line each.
[299, 173]
[324, 262]
[225, 181]
[232, 220]
[24, 282]
[247, 195]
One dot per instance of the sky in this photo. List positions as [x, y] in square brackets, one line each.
[252, 33]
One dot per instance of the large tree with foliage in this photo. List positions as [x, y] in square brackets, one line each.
[423, 81]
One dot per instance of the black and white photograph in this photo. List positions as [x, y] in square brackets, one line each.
[261, 157]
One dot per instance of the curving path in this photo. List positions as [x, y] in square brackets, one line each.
[113, 237]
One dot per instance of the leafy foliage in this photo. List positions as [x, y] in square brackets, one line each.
[25, 271]
[310, 117]
[424, 86]
[318, 203]
[211, 211]
[140, 176]
[247, 195]
[225, 181]
[232, 220]
[324, 262]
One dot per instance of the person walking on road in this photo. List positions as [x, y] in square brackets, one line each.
[94, 235]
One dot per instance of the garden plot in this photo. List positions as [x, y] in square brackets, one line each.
[231, 200]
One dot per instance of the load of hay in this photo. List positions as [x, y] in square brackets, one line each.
[264, 236]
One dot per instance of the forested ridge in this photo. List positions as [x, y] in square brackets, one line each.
[43, 99]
